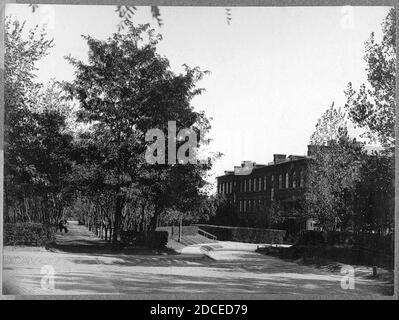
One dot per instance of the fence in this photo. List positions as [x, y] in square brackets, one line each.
[251, 235]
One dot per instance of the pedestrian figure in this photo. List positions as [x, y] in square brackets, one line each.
[62, 225]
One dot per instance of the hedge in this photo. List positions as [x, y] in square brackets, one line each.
[371, 241]
[251, 235]
[347, 247]
[28, 234]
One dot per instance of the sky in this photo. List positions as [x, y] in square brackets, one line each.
[274, 70]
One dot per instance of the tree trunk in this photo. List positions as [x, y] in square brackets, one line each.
[154, 219]
[117, 218]
[142, 223]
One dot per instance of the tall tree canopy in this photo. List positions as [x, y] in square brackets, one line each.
[333, 172]
[372, 107]
[125, 89]
[328, 126]
[37, 143]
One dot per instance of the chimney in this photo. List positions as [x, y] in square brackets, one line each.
[277, 158]
[245, 169]
[247, 164]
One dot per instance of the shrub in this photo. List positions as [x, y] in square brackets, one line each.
[129, 237]
[157, 239]
[28, 234]
[312, 238]
[152, 239]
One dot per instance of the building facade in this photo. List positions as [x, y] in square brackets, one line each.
[258, 193]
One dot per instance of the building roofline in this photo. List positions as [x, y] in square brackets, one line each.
[256, 168]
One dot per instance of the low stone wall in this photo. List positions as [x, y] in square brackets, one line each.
[250, 235]
[173, 231]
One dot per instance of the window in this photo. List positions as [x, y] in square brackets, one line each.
[250, 185]
[245, 205]
[264, 184]
[301, 182]
[294, 180]
[280, 181]
[272, 193]
[286, 180]
[259, 184]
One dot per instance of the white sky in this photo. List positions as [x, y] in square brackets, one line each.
[274, 70]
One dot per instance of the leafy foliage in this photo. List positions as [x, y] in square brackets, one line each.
[328, 126]
[36, 140]
[124, 90]
[333, 173]
[373, 106]
[126, 14]
[97, 173]
[28, 234]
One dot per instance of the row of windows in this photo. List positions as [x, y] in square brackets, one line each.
[260, 184]
[291, 181]
[226, 187]
[251, 205]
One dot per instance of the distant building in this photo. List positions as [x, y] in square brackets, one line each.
[254, 191]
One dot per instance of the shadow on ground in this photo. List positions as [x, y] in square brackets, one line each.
[80, 240]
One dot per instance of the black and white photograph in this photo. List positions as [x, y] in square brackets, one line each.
[197, 152]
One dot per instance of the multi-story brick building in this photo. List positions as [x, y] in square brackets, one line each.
[257, 193]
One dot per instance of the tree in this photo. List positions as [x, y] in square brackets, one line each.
[375, 195]
[36, 142]
[328, 126]
[333, 173]
[124, 90]
[373, 106]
